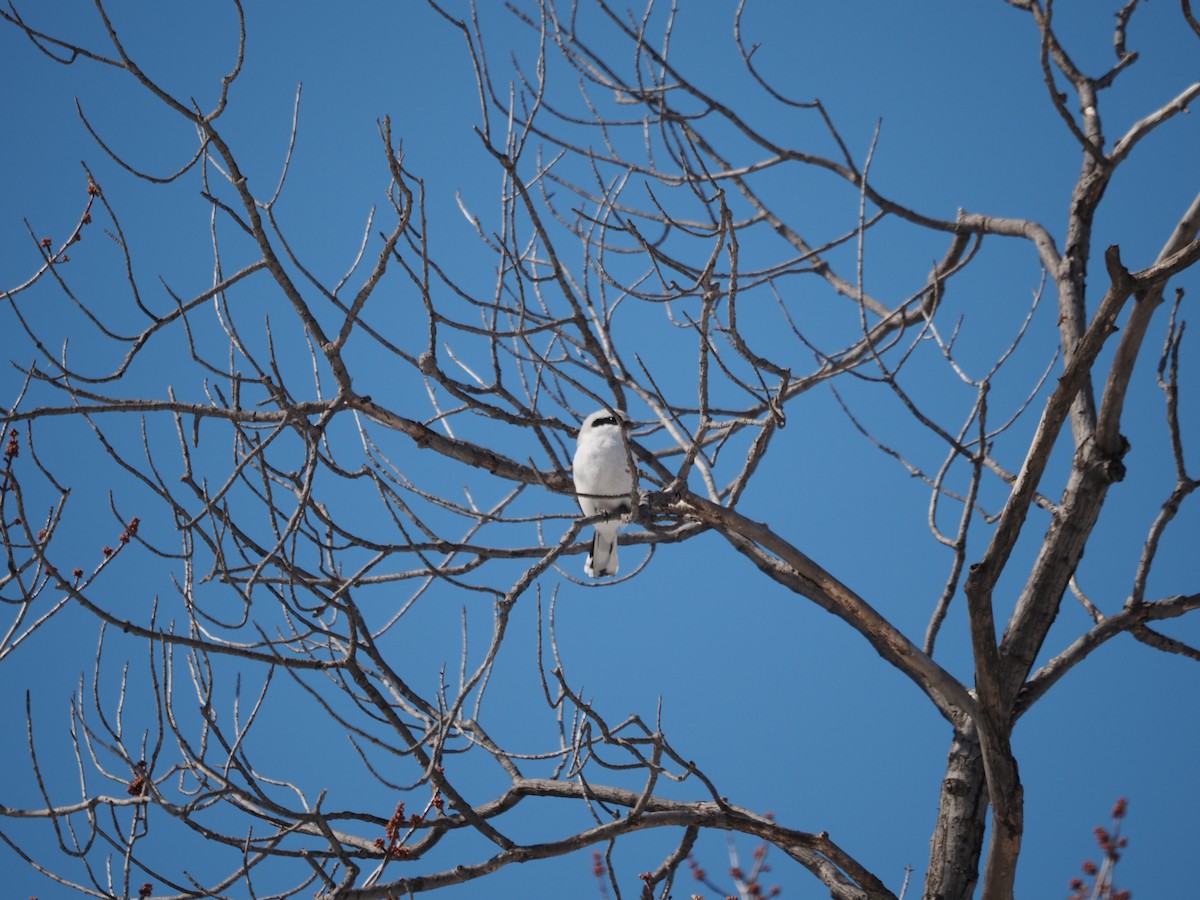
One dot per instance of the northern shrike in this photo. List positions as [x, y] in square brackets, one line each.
[604, 484]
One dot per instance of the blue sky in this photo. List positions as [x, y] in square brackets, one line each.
[781, 704]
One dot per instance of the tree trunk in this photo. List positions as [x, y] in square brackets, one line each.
[962, 813]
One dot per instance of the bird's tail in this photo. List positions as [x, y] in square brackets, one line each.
[602, 560]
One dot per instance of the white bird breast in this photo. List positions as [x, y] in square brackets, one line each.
[602, 468]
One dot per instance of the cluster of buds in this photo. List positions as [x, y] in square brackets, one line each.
[748, 884]
[393, 846]
[141, 781]
[401, 827]
[130, 529]
[13, 448]
[755, 889]
[48, 245]
[395, 851]
[395, 823]
[1111, 843]
[109, 552]
[145, 890]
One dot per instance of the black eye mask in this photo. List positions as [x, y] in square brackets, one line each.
[607, 420]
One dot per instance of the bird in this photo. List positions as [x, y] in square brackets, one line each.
[604, 484]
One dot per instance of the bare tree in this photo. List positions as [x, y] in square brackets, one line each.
[287, 453]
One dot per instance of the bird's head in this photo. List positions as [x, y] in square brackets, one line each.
[605, 418]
